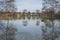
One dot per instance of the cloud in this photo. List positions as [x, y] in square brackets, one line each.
[31, 5]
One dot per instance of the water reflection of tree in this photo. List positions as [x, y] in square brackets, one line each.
[50, 33]
[38, 23]
[10, 32]
[2, 27]
[7, 33]
[53, 33]
[25, 22]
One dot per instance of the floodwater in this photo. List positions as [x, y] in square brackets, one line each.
[35, 29]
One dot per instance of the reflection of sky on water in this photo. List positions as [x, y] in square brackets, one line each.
[31, 27]
[57, 23]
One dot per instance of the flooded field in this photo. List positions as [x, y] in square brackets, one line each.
[29, 19]
[35, 29]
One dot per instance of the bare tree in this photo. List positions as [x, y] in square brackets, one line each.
[7, 6]
[1, 5]
[50, 5]
[37, 11]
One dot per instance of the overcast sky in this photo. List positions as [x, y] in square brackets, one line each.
[30, 5]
